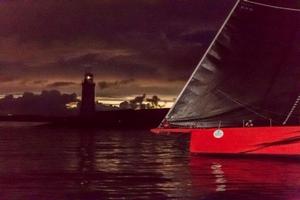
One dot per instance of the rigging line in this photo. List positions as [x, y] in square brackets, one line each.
[203, 57]
[272, 6]
[239, 103]
[292, 110]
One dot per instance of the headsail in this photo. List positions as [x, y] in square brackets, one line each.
[251, 71]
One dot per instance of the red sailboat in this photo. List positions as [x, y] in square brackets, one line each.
[243, 96]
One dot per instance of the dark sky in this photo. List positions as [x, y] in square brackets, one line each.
[132, 46]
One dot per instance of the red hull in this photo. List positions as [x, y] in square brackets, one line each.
[254, 140]
[260, 140]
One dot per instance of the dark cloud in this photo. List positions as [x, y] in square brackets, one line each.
[7, 78]
[61, 84]
[140, 88]
[51, 103]
[144, 40]
[104, 84]
[39, 82]
[70, 20]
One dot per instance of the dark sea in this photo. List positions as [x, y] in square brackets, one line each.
[42, 163]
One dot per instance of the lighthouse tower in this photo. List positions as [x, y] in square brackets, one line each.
[88, 95]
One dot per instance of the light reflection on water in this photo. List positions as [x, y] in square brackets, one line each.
[48, 163]
[246, 178]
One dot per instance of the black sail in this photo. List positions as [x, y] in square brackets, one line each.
[251, 71]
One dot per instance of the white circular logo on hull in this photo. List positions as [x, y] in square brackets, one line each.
[218, 133]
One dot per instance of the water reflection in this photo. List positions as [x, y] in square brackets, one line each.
[131, 165]
[247, 178]
[220, 179]
[46, 163]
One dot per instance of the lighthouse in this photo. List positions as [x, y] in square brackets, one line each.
[88, 95]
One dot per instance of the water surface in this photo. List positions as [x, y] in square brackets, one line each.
[59, 163]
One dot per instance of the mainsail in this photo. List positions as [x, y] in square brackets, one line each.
[251, 71]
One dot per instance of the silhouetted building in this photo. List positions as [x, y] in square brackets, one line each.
[88, 95]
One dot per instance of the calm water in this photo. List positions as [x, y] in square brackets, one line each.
[51, 164]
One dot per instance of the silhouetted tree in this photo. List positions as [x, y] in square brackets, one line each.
[154, 101]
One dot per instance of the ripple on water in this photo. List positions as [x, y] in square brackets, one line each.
[47, 163]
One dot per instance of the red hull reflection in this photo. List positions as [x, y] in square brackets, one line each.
[248, 176]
